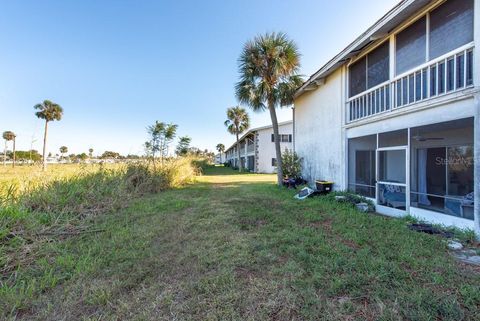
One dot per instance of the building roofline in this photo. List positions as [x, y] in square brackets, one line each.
[257, 129]
[378, 30]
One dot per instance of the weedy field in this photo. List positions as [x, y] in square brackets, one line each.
[40, 210]
[229, 247]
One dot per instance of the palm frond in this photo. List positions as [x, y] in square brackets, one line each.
[237, 120]
[268, 67]
[48, 111]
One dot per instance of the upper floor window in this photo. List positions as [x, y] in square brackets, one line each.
[283, 138]
[369, 71]
[450, 27]
[286, 138]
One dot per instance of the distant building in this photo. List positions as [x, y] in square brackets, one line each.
[220, 158]
[257, 148]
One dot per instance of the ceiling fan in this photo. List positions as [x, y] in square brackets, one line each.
[420, 138]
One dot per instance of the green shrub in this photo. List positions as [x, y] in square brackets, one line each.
[352, 198]
[291, 164]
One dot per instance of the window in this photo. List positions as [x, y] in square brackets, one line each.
[451, 26]
[370, 70]
[286, 138]
[274, 162]
[411, 46]
[283, 138]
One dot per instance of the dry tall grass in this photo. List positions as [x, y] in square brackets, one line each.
[69, 188]
[38, 208]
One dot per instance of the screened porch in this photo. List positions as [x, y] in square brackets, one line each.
[428, 167]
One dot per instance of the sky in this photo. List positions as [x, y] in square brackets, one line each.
[117, 66]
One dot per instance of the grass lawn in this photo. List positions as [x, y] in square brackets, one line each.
[236, 247]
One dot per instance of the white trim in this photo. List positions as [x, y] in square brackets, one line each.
[392, 183]
[390, 211]
[383, 149]
[476, 81]
[476, 169]
[407, 173]
[439, 218]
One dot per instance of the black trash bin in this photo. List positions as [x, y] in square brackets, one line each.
[324, 187]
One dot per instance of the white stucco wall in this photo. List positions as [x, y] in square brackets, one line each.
[266, 148]
[318, 132]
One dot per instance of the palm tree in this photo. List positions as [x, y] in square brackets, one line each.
[161, 135]
[9, 136]
[90, 152]
[49, 111]
[221, 150]
[63, 150]
[268, 69]
[183, 146]
[237, 122]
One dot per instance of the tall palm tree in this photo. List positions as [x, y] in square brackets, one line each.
[221, 150]
[268, 67]
[48, 111]
[9, 136]
[63, 150]
[237, 122]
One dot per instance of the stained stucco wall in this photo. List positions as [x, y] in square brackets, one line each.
[318, 132]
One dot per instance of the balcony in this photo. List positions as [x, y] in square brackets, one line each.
[442, 76]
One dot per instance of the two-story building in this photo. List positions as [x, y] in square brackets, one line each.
[395, 116]
[219, 158]
[257, 148]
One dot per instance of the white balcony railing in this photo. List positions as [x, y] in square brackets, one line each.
[436, 78]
